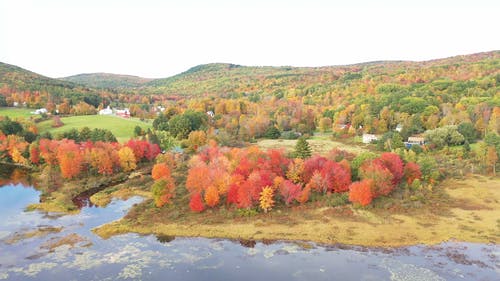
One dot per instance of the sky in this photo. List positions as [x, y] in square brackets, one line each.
[153, 38]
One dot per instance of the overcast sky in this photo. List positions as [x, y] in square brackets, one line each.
[161, 38]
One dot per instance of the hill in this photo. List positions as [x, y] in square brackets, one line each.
[35, 90]
[107, 80]
[222, 78]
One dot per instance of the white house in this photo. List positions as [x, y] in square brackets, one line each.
[40, 111]
[399, 128]
[106, 111]
[368, 138]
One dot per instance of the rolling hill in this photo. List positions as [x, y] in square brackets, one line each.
[224, 79]
[220, 78]
[107, 80]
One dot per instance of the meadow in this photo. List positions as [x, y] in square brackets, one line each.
[320, 144]
[122, 128]
[14, 113]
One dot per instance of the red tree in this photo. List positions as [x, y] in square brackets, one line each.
[337, 177]
[361, 192]
[412, 172]
[395, 165]
[34, 153]
[290, 191]
[314, 163]
[381, 176]
[196, 204]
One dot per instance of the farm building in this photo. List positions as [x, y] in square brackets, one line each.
[106, 111]
[369, 138]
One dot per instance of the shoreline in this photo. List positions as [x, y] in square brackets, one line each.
[467, 211]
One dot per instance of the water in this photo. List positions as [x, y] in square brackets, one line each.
[69, 250]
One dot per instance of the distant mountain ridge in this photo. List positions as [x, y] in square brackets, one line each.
[107, 80]
[230, 79]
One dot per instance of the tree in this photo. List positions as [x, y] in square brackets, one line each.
[196, 139]
[127, 159]
[212, 196]
[164, 185]
[272, 133]
[266, 201]
[295, 170]
[492, 158]
[447, 135]
[289, 191]
[57, 122]
[358, 161]
[361, 192]
[412, 172]
[381, 176]
[69, 159]
[161, 122]
[9, 127]
[304, 195]
[468, 131]
[179, 126]
[302, 148]
[196, 203]
[393, 162]
[34, 153]
[162, 191]
[159, 171]
[336, 176]
[138, 131]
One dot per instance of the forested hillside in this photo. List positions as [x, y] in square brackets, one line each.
[107, 80]
[35, 90]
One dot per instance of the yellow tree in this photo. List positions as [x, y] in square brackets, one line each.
[127, 159]
[266, 198]
[492, 158]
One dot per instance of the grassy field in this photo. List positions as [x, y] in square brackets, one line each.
[321, 144]
[14, 112]
[122, 128]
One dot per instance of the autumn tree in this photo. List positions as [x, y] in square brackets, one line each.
[492, 158]
[266, 201]
[412, 172]
[196, 139]
[361, 192]
[164, 186]
[212, 196]
[34, 153]
[196, 203]
[127, 159]
[381, 176]
[162, 191]
[69, 159]
[159, 171]
[393, 162]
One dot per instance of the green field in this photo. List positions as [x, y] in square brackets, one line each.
[122, 128]
[320, 144]
[14, 112]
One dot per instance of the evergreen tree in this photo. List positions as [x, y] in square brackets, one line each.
[302, 149]
[272, 133]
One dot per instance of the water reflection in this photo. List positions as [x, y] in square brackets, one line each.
[64, 248]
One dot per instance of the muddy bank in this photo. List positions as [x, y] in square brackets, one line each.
[70, 196]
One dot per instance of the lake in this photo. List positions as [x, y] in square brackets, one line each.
[40, 246]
